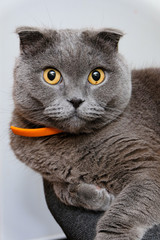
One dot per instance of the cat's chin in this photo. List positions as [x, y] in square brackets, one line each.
[74, 125]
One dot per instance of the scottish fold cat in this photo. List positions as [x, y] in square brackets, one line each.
[107, 157]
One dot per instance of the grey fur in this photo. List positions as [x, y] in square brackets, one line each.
[110, 144]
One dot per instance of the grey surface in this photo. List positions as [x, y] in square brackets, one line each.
[79, 224]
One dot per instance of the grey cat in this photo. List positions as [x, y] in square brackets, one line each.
[108, 156]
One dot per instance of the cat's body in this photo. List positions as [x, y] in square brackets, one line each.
[122, 156]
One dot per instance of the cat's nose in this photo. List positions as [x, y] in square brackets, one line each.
[76, 102]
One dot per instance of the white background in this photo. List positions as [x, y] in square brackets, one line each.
[23, 212]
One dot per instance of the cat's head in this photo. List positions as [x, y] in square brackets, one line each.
[74, 80]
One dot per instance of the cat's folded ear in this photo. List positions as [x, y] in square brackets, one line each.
[103, 36]
[32, 40]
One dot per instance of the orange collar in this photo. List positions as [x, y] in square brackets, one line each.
[37, 132]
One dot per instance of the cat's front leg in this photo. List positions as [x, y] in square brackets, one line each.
[134, 211]
[84, 195]
[91, 197]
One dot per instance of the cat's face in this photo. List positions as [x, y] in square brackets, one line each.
[72, 80]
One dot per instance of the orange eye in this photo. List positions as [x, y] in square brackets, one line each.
[97, 76]
[52, 76]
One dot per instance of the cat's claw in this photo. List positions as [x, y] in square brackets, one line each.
[91, 196]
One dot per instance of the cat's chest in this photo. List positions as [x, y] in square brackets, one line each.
[72, 158]
[105, 158]
[69, 158]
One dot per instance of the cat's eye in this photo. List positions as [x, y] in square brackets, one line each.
[97, 76]
[52, 76]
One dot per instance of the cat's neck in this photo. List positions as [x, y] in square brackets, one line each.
[20, 121]
[31, 130]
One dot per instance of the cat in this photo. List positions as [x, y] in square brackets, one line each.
[108, 156]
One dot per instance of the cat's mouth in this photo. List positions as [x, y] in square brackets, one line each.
[74, 123]
[74, 120]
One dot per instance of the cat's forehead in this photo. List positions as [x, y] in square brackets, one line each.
[74, 53]
[71, 42]
[68, 35]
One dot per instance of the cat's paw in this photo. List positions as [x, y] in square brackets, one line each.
[91, 196]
